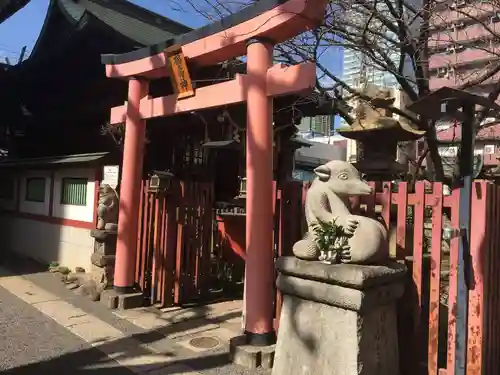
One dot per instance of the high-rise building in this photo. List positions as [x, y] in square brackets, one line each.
[464, 45]
[318, 125]
[358, 67]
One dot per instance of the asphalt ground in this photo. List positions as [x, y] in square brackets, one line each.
[32, 343]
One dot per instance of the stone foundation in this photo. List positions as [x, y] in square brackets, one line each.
[338, 319]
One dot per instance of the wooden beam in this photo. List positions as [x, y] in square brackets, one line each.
[281, 80]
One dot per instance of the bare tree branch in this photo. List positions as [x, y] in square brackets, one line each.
[414, 42]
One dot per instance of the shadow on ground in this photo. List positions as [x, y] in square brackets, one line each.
[93, 361]
[129, 354]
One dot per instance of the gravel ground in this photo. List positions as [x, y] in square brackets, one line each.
[33, 344]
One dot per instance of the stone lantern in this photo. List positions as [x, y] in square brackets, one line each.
[377, 134]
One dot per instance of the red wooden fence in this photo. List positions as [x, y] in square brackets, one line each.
[174, 243]
[415, 221]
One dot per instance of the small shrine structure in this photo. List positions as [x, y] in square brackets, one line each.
[252, 32]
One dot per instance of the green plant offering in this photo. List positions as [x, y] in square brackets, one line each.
[330, 237]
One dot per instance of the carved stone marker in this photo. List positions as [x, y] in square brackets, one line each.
[338, 319]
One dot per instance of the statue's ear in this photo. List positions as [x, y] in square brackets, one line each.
[323, 173]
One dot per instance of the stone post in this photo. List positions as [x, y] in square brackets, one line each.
[104, 254]
[338, 319]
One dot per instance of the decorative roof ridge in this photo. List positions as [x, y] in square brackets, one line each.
[11, 7]
[80, 12]
[132, 10]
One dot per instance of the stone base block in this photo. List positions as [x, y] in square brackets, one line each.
[130, 300]
[102, 260]
[338, 319]
[318, 339]
[249, 356]
[112, 300]
[109, 298]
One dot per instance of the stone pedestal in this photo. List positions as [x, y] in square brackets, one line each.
[103, 258]
[338, 319]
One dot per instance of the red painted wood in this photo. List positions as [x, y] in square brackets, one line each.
[281, 227]
[494, 280]
[50, 220]
[148, 261]
[385, 201]
[179, 251]
[140, 249]
[371, 200]
[402, 203]
[476, 295]
[156, 234]
[435, 277]
[171, 247]
[207, 233]
[163, 249]
[452, 291]
[417, 268]
[489, 276]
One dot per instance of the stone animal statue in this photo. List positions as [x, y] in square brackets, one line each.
[107, 208]
[328, 199]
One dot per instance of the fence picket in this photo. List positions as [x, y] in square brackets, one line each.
[402, 210]
[452, 288]
[435, 279]
[417, 268]
[476, 295]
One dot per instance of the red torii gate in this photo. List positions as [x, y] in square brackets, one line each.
[253, 32]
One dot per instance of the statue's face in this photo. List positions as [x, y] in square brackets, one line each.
[342, 178]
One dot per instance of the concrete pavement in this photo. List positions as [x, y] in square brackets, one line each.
[51, 329]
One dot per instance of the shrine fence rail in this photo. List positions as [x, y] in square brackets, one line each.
[418, 223]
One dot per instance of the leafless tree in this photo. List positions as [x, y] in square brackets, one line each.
[406, 38]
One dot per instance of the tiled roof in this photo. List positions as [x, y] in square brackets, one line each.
[9, 7]
[138, 25]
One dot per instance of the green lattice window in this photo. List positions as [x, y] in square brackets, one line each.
[35, 189]
[74, 191]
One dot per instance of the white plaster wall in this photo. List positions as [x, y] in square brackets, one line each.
[37, 208]
[46, 242]
[11, 204]
[66, 211]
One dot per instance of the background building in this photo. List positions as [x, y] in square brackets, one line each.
[316, 126]
[464, 44]
[358, 67]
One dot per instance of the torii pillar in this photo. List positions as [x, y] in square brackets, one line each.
[253, 32]
[130, 187]
[259, 292]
